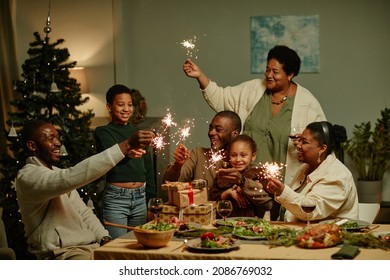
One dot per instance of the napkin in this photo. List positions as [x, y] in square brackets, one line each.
[346, 252]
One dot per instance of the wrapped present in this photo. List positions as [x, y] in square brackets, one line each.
[202, 214]
[187, 197]
[175, 186]
[178, 186]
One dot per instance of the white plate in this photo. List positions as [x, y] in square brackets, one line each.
[380, 233]
[193, 244]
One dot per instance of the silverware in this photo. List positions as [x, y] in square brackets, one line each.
[370, 229]
[182, 245]
[118, 225]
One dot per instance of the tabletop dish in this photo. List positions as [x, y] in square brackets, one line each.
[194, 244]
[189, 227]
[350, 225]
[320, 236]
[237, 221]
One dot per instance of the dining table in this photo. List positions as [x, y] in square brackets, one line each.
[127, 247]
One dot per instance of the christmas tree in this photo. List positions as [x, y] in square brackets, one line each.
[47, 92]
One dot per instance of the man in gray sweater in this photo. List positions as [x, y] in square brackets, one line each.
[58, 224]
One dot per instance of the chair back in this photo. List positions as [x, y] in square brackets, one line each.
[368, 211]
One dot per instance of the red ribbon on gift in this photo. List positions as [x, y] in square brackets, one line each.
[190, 194]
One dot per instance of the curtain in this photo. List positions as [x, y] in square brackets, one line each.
[8, 64]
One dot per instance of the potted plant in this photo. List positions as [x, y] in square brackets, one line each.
[369, 151]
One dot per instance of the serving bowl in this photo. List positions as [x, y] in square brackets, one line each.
[153, 238]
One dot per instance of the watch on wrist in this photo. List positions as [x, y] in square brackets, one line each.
[242, 182]
[104, 240]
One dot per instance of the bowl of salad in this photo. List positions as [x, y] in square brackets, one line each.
[154, 235]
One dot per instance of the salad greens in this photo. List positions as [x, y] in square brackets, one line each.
[158, 226]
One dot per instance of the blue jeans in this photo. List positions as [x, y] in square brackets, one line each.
[124, 206]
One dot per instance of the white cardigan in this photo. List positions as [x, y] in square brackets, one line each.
[243, 98]
[53, 214]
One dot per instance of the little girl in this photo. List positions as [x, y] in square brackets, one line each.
[239, 183]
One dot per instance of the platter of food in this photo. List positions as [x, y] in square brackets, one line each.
[320, 236]
[237, 221]
[210, 242]
[184, 226]
[349, 225]
[385, 236]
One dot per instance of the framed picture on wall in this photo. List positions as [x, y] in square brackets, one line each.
[297, 32]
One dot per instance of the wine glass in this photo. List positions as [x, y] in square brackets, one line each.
[224, 209]
[155, 206]
[295, 133]
[308, 205]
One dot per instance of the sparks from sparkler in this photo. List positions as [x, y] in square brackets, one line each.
[184, 132]
[158, 142]
[214, 157]
[189, 45]
[168, 120]
[272, 170]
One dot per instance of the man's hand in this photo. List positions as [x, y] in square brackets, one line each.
[140, 138]
[180, 155]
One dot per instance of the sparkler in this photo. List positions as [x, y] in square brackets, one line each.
[163, 131]
[158, 142]
[184, 132]
[214, 158]
[272, 170]
[168, 121]
[190, 47]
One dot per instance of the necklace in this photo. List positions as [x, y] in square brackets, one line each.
[284, 97]
[280, 101]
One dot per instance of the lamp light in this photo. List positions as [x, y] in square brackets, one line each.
[79, 74]
[12, 132]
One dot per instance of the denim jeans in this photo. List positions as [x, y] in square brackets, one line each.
[124, 206]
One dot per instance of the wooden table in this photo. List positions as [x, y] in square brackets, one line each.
[127, 248]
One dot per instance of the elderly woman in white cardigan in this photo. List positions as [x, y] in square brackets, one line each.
[268, 107]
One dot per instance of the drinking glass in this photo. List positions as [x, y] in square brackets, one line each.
[295, 133]
[224, 209]
[308, 205]
[155, 206]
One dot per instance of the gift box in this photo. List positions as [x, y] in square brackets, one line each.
[187, 197]
[179, 186]
[201, 214]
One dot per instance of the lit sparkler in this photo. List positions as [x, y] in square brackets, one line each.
[215, 157]
[158, 142]
[184, 132]
[168, 121]
[272, 170]
[190, 47]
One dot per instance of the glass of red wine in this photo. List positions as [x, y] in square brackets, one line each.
[295, 134]
[308, 205]
[155, 206]
[224, 209]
